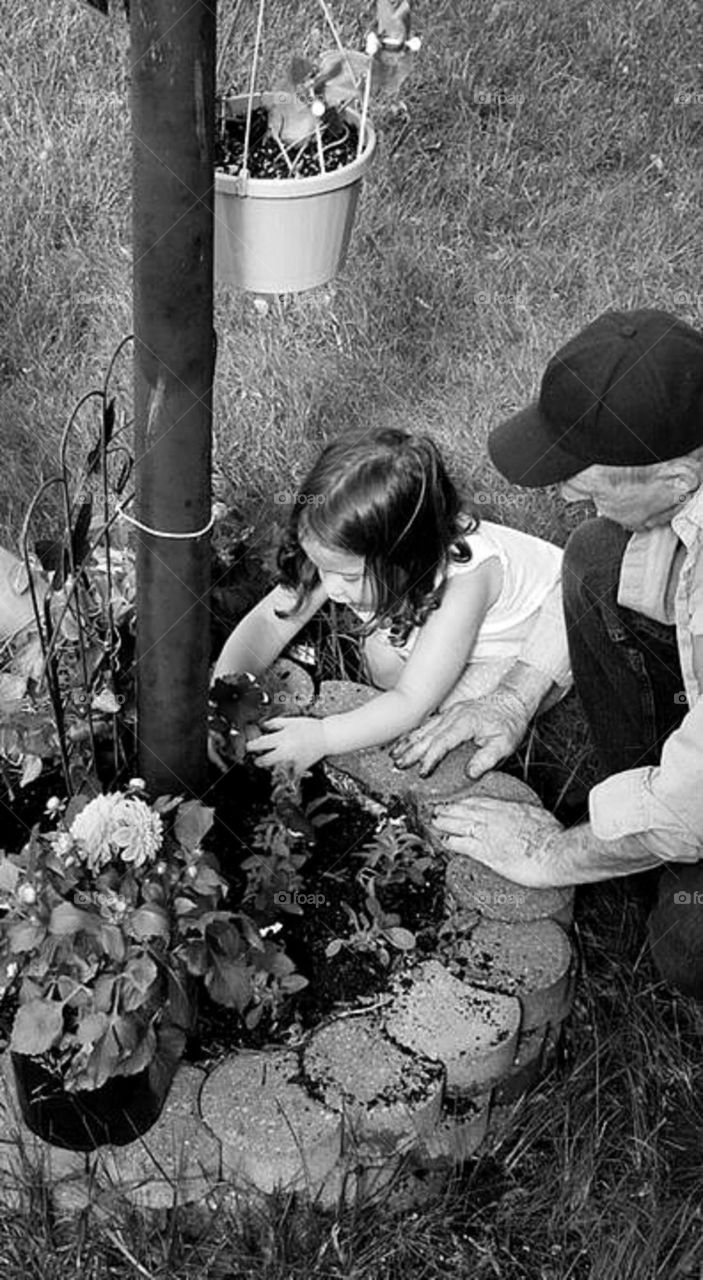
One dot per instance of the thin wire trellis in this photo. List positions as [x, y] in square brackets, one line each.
[80, 628]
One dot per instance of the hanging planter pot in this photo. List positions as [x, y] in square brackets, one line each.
[288, 234]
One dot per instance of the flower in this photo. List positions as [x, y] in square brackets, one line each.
[138, 833]
[117, 824]
[93, 827]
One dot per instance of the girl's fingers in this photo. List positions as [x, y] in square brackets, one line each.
[261, 744]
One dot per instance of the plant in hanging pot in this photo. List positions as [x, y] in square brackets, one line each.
[108, 921]
[290, 161]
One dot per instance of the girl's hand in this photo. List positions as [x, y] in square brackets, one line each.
[298, 742]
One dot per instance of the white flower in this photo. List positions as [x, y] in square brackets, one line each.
[92, 828]
[138, 833]
[54, 807]
[117, 824]
[27, 894]
[62, 843]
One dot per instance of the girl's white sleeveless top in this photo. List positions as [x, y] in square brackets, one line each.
[531, 567]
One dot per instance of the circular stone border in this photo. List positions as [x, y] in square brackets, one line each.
[428, 1079]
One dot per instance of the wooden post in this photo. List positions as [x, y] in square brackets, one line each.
[173, 97]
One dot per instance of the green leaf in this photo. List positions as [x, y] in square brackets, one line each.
[92, 1027]
[9, 875]
[401, 939]
[104, 992]
[333, 948]
[293, 982]
[207, 879]
[142, 972]
[38, 1025]
[253, 1017]
[150, 922]
[25, 936]
[102, 1063]
[195, 958]
[193, 821]
[31, 768]
[67, 919]
[275, 961]
[113, 941]
[229, 983]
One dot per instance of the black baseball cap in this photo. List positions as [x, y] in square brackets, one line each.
[626, 391]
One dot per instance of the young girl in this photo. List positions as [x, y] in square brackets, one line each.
[446, 604]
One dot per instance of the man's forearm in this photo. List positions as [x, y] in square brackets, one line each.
[577, 856]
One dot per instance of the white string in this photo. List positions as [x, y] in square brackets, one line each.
[162, 533]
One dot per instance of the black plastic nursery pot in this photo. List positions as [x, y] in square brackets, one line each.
[115, 1114]
[285, 235]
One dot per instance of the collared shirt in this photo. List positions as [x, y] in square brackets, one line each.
[662, 578]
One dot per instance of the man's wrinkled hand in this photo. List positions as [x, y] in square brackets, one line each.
[495, 723]
[505, 835]
[296, 743]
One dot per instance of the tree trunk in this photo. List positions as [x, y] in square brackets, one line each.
[173, 95]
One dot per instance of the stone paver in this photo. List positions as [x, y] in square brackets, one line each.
[176, 1162]
[473, 887]
[273, 1133]
[388, 1096]
[457, 1137]
[530, 960]
[473, 1032]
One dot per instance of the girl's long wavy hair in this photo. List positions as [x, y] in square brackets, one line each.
[387, 498]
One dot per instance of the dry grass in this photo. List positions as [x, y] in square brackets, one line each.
[487, 234]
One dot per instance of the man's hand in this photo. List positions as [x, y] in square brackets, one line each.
[496, 723]
[505, 835]
[298, 742]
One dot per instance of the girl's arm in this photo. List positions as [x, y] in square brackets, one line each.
[438, 659]
[260, 637]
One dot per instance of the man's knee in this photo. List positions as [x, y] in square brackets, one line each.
[676, 928]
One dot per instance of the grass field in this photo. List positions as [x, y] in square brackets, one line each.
[549, 168]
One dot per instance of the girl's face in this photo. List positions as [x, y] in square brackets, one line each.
[341, 574]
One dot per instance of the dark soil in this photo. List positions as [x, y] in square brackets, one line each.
[337, 982]
[340, 141]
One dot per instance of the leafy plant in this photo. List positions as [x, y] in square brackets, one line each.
[375, 932]
[236, 706]
[274, 875]
[68, 696]
[308, 96]
[393, 855]
[107, 921]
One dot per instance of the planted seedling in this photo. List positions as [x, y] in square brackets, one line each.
[374, 931]
[394, 855]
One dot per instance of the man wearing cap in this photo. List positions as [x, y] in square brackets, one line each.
[619, 421]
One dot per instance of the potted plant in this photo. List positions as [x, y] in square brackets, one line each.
[108, 921]
[290, 161]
